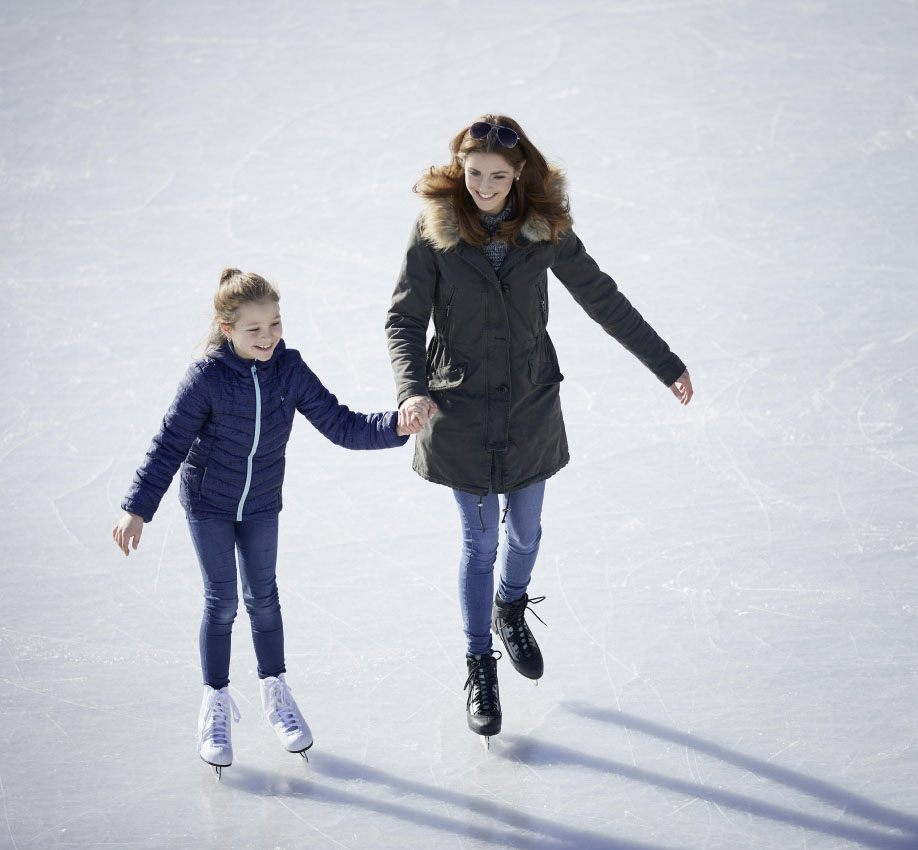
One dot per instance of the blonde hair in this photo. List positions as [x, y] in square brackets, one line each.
[236, 288]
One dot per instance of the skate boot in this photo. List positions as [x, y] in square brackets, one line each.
[282, 712]
[509, 624]
[215, 744]
[483, 704]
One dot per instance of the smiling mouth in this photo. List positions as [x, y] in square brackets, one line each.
[487, 197]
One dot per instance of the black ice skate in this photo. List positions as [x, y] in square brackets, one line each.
[483, 704]
[509, 624]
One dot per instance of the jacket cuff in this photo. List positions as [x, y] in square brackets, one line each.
[133, 508]
[394, 439]
[412, 390]
[671, 373]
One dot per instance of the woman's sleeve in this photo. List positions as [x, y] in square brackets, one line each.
[341, 425]
[601, 299]
[180, 426]
[409, 316]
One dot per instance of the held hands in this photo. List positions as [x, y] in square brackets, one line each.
[682, 388]
[129, 528]
[414, 413]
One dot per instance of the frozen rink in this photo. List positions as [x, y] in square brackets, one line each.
[732, 598]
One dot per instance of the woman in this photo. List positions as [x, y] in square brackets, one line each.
[494, 220]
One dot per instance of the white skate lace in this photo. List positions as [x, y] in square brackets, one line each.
[220, 706]
[282, 706]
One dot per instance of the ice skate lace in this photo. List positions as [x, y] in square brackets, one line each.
[482, 685]
[220, 707]
[281, 707]
[520, 638]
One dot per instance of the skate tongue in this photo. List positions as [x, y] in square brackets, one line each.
[218, 718]
[280, 706]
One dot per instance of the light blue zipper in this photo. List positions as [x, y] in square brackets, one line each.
[248, 471]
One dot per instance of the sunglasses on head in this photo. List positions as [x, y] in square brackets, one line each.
[507, 137]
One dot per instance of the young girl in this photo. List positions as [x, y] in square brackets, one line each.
[228, 429]
[494, 220]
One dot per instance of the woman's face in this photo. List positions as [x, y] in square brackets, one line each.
[488, 177]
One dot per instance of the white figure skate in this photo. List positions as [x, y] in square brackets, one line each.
[215, 745]
[284, 716]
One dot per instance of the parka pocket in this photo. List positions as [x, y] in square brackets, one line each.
[541, 372]
[543, 304]
[543, 365]
[442, 373]
[446, 377]
[447, 320]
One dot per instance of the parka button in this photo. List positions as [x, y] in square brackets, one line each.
[503, 388]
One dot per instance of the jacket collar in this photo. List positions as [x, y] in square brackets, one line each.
[225, 355]
[440, 222]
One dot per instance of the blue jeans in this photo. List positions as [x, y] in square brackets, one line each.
[216, 542]
[479, 554]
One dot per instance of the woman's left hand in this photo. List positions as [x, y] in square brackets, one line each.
[682, 388]
[414, 413]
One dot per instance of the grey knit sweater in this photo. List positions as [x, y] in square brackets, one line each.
[495, 251]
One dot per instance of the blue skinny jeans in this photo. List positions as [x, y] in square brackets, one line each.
[216, 542]
[522, 519]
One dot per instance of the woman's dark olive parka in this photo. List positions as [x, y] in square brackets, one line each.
[491, 366]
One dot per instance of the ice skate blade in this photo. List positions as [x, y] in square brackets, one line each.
[302, 753]
[486, 742]
[218, 768]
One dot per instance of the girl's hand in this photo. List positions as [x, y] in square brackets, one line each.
[682, 388]
[414, 413]
[129, 528]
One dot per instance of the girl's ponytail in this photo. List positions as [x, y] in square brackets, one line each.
[235, 289]
[228, 275]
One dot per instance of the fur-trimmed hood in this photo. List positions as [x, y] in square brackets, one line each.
[440, 222]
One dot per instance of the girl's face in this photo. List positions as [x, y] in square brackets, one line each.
[256, 331]
[489, 177]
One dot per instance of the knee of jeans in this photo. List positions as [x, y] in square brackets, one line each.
[221, 610]
[525, 542]
[480, 543]
[263, 605]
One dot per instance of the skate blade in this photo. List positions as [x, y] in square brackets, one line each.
[218, 768]
[486, 742]
[302, 753]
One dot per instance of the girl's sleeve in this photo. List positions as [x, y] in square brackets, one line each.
[409, 316]
[600, 297]
[181, 425]
[341, 425]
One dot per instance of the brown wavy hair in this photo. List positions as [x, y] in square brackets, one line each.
[539, 191]
[235, 289]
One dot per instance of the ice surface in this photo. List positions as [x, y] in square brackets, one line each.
[732, 600]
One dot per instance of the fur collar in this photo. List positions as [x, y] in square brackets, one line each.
[440, 224]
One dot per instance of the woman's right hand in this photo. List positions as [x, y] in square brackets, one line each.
[127, 531]
[414, 413]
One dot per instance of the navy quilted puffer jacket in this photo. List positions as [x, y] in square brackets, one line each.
[228, 428]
